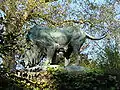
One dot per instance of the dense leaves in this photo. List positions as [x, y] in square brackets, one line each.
[55, 79]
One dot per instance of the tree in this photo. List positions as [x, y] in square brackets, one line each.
[18, 14]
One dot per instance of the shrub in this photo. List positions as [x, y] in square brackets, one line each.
[57, 79]
[110, 59]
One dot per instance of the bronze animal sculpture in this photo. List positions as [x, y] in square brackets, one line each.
[69, 39]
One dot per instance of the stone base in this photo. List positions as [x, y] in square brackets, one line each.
[75, 68]
[66, 68]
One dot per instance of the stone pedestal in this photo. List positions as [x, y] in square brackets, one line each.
[75, 68]
[66, 68]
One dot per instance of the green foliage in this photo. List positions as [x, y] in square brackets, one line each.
[110, 60]
[57, 79]
[88, 81]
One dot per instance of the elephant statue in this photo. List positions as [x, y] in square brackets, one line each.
[51, 41]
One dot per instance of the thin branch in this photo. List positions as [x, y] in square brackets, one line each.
[67, 21]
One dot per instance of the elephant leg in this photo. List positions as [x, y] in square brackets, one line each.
[54, 58]
[76, 54]
[78, 58]
[50, 54]
[67, 61]
[67, 55]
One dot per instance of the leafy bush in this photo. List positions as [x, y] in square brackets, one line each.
[57, 79]
[87, 81]
[110, 60]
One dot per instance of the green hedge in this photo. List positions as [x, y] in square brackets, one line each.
[55, 79]
[88, 81]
